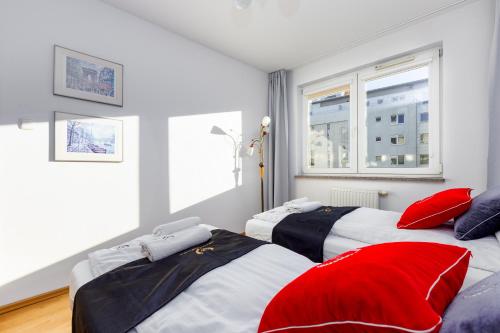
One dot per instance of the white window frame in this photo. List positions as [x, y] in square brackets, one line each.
[358, 111]
[351, 80]
[427, 58]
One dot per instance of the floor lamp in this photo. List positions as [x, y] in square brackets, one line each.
[259, 142]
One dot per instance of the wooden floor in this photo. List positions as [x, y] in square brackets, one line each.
[51, 316]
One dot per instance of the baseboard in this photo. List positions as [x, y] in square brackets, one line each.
[33, 300]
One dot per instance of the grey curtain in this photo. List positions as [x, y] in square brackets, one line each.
[494, 104]
[278, 166]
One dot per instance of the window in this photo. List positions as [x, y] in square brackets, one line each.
[424, 117]
[424, 138]
[341, 123]
[424, 159]
[330, 125]
[398, 140]
[397, 160]
[397, 119]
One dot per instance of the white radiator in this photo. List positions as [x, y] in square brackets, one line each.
[340, 197]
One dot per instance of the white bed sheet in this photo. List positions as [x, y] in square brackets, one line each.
[336, 244]
[375, 226]
[230, 298]
[333, 245]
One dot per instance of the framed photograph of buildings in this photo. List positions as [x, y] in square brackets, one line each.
[82, 76]
[87, 138]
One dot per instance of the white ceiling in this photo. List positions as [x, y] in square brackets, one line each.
[274, 34]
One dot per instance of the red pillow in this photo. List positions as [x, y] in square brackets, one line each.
[436, 209]
[389, 287]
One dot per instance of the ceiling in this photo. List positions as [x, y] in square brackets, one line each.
[274, 34]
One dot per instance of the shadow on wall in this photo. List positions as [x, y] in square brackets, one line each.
[203, 159]
[98, 205]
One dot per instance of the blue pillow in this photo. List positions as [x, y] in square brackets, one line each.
[483, 217]
[476, 309]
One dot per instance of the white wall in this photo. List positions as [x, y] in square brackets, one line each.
[53, 213]
[465, 34]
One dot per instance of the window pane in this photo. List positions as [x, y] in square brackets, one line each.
[329, 132]
[404, 137]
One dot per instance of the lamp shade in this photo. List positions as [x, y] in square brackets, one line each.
[266, 121]
[250, 151]
[218, 131]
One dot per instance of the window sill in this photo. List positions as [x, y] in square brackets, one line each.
[407, 178]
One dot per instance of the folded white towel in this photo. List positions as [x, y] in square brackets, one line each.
[275, 215]
[305, 207]
[170, 228]
[105, 260]
[296, 201]
[169, 244]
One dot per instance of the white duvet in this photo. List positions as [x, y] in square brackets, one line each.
[375, 226]
[231, 298]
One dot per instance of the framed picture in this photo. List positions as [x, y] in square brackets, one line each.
[87, 138]
[82, 76]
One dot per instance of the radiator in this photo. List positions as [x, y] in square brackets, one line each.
[340, 197]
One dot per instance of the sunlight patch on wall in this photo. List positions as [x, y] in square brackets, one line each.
[204, 158]
[50, 211]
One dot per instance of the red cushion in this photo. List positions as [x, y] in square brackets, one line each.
[436, 209]
[390, 287]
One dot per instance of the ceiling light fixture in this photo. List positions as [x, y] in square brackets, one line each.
[242, 4]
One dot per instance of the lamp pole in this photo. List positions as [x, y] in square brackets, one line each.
[264, 130]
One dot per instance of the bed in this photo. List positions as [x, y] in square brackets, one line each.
[366, 226]
[241, 288]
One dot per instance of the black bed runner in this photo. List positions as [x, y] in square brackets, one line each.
[305, 233]
[119, 300]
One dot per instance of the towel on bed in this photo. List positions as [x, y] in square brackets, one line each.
[276, 214]
[296, 201]
[306, 207]
[170, 228]
[167, 245]
[105, 260]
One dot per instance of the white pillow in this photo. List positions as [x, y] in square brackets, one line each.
[498, 235]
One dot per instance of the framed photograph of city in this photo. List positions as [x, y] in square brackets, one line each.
[87, 138]
[82, 76]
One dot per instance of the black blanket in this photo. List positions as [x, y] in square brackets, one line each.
[119, 300]
[305, 233]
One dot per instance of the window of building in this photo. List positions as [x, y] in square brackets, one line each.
[397, 119]
[398, 139]
[424, 159]
[424, 117]
[424, 138]
[340, 139]
[397, 160]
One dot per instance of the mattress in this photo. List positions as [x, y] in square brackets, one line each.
[333, 246]
[230, 298]
[366, 226]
